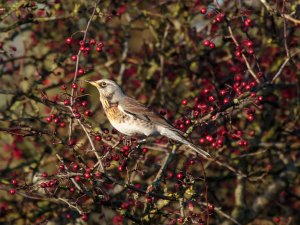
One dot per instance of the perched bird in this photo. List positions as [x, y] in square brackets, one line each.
[131, 118]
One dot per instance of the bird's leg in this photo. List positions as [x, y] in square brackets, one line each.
[127, 140]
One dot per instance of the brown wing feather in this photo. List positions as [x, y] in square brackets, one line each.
[133, 107]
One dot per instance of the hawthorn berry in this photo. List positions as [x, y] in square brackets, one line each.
[67, 102]
[14, 182]
[63, 87]
[87, 175]
[203, 10]
[87, 112]
[74, 86]
[92, 42]
[81, 71]
[179, 176]
[98, 138]
[69, 40]
[206, 42]
[12, 191]
[74, 57]
[212, 45]
[184, 102]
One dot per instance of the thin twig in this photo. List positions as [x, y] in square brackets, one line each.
[71, 205]
[244, 57]
[283, 65]
[90, 140]
[72, 100]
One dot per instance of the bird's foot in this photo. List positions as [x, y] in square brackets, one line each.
[127, 141]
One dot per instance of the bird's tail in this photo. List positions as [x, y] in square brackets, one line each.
[196, 148]
[179, 137]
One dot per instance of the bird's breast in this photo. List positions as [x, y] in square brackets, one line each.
[129, 124]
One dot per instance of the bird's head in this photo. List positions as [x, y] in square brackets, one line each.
[107, 89]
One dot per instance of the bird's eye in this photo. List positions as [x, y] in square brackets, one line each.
[103, 84]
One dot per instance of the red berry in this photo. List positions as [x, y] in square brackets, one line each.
[116, 157]
[67, 102]
[72, 142]
[276, 219]
[81, 48]
[223, 92]
[196, 113]
[202, 140]
[74, 86]
[82, 42]
[56, 120]
[249, 43]
[75, 167]
[69, 40]
[87, 175]
[82, 89]
[206, 42]
[44, 174]
[250, 117]
[238, 53]
[74, 57]
[149, 199]
[87, 113]
[72, 189]
[226, 100]
[250, 51]
[12, 191]
[100, 45]
[98, 174]
[248, 22]
[211, 98]
[98, 49]
[211, 207]
[144, 150]
[62, 124]
[212, 45]
[77, 178]
[84, 103]
[64, 87]
[81, 71]
[77, 115]
[180, 220]
[209, 138]
[188, 122]
[84, 217]
[98, 138]
[14, 182]
[49, 119]
[179, 176]
[220, 17]
[92, 42]
[120, 168]
[184, 102]
[203, 10]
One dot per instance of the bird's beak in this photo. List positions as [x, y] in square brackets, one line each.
[91, 82]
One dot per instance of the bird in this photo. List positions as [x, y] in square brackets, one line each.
[132, 118]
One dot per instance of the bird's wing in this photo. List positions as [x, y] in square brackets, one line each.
[135, 108]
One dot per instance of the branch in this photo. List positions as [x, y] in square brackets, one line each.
[283, 65]
[243, 55]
